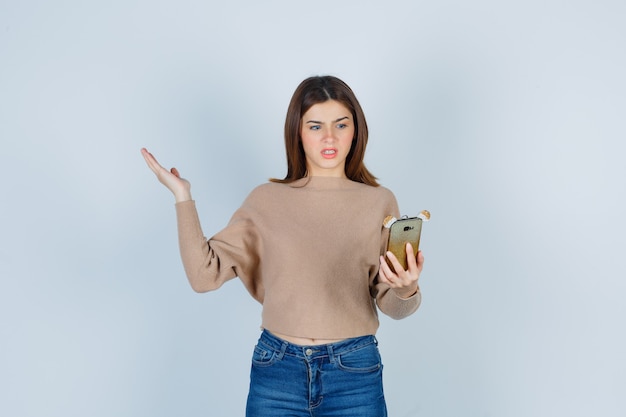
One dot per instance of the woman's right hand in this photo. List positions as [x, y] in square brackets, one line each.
[180, 187]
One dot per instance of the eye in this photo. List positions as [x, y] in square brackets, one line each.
[342, 126]
[315, 127]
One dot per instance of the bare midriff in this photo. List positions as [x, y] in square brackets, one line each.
[305, 341]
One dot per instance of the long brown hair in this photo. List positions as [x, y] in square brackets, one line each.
[316, 90]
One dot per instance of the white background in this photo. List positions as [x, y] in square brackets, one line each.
[504, 119]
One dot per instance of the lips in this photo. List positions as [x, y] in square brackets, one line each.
[329, 153]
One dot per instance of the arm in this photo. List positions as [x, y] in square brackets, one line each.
[205, 269]
[199, 260]
[397, 295]
[210, 263]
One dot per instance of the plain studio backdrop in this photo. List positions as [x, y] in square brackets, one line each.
[504, 119]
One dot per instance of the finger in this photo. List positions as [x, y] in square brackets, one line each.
[384, 272]
[420, 261]
[175, 172]
[147, 155]
[411, 260]
[397, 267]
[151, 161]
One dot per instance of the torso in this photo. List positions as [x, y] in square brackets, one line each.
[306, 271]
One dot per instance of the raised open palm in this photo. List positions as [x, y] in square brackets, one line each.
[180, 187]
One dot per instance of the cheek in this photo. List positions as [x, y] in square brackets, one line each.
[307, 136]
[305, 139]
[351, 133]
[348, 136]
[307, 144]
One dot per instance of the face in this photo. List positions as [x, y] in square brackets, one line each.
[327, 131]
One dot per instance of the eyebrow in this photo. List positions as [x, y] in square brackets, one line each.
[334, 121]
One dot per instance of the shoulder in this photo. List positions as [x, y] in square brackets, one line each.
[380, 192]
[267, 188]
[264, 192]
[384, 191]
[385, 199]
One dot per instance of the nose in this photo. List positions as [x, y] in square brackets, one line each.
[329, 136]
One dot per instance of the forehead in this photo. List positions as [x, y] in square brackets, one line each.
[329, 109]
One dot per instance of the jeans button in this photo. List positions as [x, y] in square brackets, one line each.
[308, 352]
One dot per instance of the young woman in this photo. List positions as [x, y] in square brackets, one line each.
[310, 248]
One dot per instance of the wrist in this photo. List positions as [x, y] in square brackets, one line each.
[182, 196]
[406, 293]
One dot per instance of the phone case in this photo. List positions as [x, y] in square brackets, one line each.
[402, 231]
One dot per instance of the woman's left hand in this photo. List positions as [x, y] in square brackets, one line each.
[404, 283]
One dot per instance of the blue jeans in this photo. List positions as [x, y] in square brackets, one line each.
[338, 379]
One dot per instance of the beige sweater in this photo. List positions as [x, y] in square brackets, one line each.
[308, 251]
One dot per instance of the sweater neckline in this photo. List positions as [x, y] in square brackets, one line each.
[323, 183]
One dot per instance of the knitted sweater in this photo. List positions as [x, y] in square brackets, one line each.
[307, 251]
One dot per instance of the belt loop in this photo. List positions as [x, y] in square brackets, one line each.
[375, 340]
[331, 353]
[283, 348]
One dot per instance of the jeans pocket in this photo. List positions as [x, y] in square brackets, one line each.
[263, 356]
[361, 360]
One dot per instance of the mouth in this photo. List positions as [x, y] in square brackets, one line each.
[329, 153]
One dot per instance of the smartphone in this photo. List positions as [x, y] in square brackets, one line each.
[402, 231]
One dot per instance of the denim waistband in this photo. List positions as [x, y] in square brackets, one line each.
[315, 351]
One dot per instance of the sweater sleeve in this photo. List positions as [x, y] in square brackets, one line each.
[395, 307]
[209, 263]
